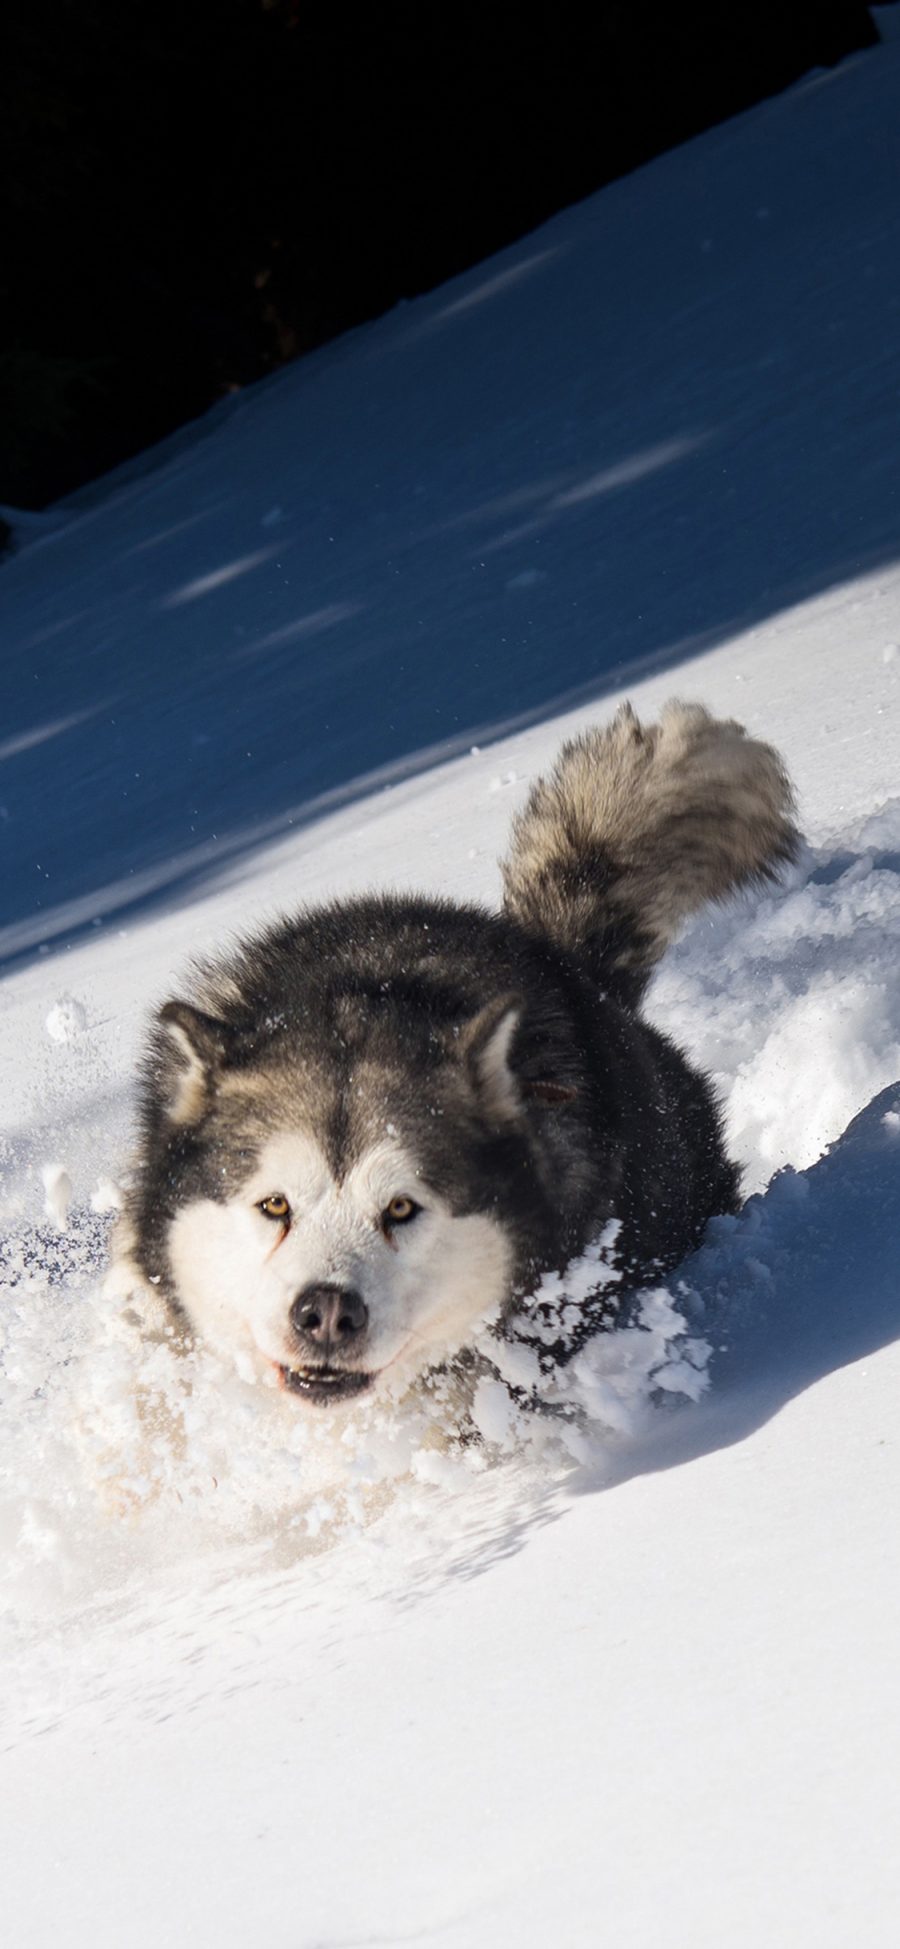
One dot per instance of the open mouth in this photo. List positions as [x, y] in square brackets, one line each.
[324, 1385]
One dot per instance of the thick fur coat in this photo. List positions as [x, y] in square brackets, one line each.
[378, 1120]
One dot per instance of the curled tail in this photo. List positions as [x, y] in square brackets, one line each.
[635, 828]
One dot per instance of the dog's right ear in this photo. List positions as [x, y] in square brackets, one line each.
[192, 1048]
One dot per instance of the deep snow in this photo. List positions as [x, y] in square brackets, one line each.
[628, 1672]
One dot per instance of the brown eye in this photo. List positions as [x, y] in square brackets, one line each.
[276, 1207]
[399, 1211]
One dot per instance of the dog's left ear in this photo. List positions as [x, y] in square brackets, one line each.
[192, 1048]
[485, 1044]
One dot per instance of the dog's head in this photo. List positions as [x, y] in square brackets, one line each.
[340, 1209]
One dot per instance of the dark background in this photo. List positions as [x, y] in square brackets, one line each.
[199, 190]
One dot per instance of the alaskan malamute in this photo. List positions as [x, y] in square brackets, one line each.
[380, 1120]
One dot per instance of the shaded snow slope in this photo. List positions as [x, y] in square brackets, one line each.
[661, 419]
[626, 1671]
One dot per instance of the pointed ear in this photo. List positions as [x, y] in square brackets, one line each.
[192, 1048]
[485, 1044]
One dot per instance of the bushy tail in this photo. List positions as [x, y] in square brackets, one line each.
[635, 828]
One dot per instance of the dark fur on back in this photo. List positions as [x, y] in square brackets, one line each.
[505, 1047]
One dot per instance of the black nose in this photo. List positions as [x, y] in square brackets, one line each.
[329, 1317]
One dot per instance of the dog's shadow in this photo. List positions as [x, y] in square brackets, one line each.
[803, 1282]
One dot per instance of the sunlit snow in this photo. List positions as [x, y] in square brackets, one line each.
[625, 1664]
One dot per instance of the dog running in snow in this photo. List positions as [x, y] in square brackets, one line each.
[380, 1120]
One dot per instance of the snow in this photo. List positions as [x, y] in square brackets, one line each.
[628, 1667]
[822, 957]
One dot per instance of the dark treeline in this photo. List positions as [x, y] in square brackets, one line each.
[198, 190]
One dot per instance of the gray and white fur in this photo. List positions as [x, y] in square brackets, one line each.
[636, 828]
[381, 1119]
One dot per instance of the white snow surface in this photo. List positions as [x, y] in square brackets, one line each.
[628, 1669]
